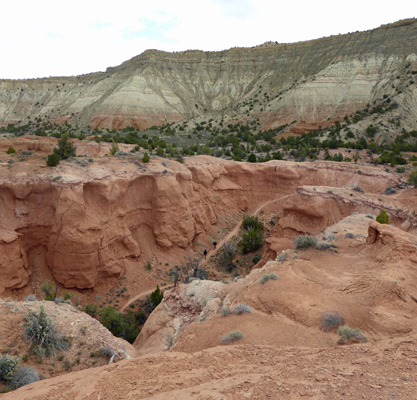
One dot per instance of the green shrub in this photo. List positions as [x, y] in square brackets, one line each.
[40, 330]
[349, 335]
[252, 240]
[256, 258]
[65, 148]
[23, 376]
[383, 217]
[267, 277]
[331, 320]
[8, 366]
[50, 290]
[156, 297]
[114, 148]
[305, 241]
[91, 309]
[11, 150]
[412, 178]
[350, 235]
[53, 160]
[145, 158]
[119, 324]
[232, 336]
[252, 222]
[225, 311]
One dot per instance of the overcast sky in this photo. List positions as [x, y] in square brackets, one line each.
[41, 38]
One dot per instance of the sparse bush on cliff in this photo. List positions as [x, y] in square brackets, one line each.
[8, 366]
[145, 158]
[383, 217]
[331, 320]
[23, 376]
[252, 238]
[242, 309]
[267, 277]
[349, 335]
[65, 148]
[50, 289]
[225, 311]
[226, 256]
[11, 150]
[305, 241]
[232, 337]
[53, 160]
[40, 330]
[154, 300]
[412, 178]
[114, 148]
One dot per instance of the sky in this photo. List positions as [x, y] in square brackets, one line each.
[42, 38]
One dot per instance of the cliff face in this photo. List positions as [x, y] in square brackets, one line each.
[91, 220]
[308, 82]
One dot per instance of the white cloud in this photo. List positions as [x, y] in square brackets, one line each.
[49, 38]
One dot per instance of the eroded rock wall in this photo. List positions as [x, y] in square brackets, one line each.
[87, 229]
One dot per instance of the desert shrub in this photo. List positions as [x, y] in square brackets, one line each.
[252, 222]
[241, 309]
[349, 235]
[53, 160]
[40, 330]
[65, 148]
[232, 336]
[8, 366]
[400, 170]
[23, 376]
[226, 256]
[251, 240]
[326, 246]
[282, 257]
[50, 290]
[107, 351]
[114, 148]
[349, 335]
[225, 311]
[145, 158]
[331, 320]
[412, 178]
[357, 188]
[119, 324]
[267, 277]
[30, 297]
[383, 217]
[256, 258]
[389, 190]
[156, 297]
[305, 241]
[91, 309]
[11, 150]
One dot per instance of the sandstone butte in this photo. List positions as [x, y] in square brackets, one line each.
[93, 226]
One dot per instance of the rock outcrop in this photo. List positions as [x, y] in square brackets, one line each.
[309, 82]
[87, 220]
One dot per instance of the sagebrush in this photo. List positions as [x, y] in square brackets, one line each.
[41, 331]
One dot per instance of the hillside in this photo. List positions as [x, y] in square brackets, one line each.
[307, 84]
